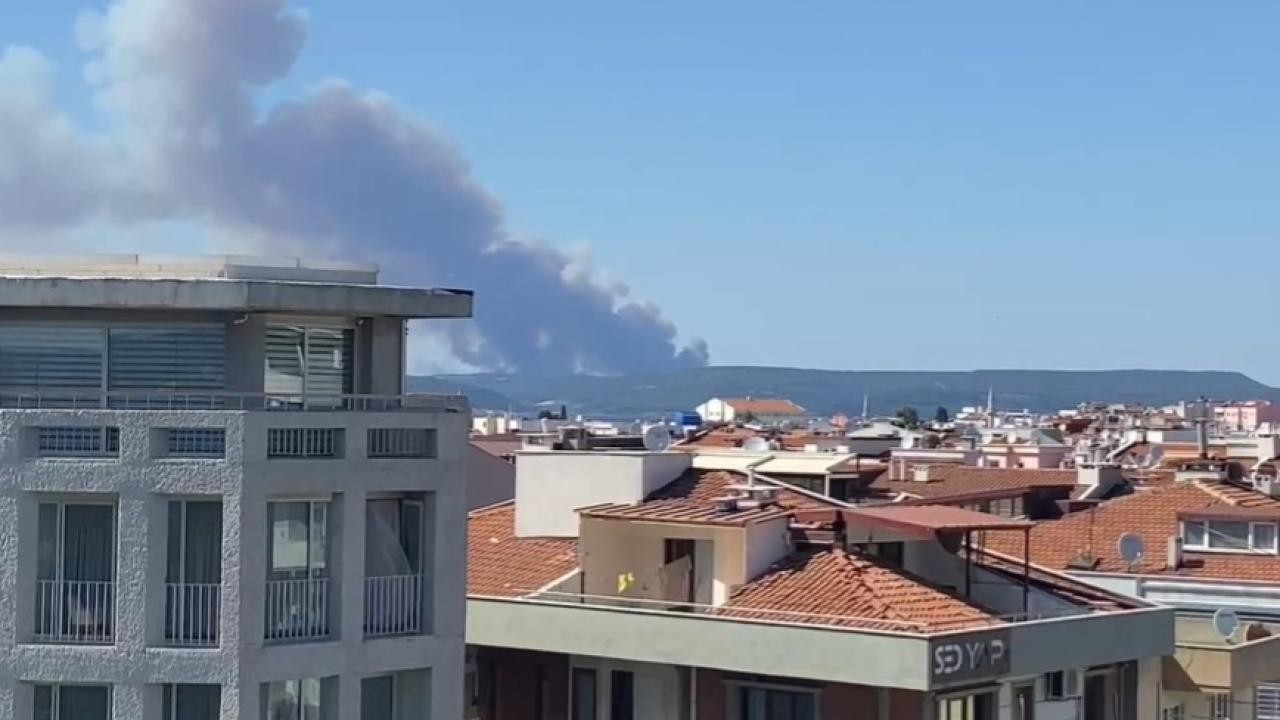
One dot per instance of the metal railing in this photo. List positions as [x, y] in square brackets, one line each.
[393, 605]
[192, 613]
[304, 442]
[297, 609]
[75, 611]
[167, 399]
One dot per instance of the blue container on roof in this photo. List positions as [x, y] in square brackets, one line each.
[686, 418]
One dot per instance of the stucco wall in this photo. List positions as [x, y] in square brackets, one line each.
[244, 480]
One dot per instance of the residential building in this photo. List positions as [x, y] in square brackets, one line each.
[217, 499]
[638, 586]
[769, 412]
[1202, 547]
[1245, 416]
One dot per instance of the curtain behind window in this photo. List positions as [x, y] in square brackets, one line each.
[89, 549]
[84, 702]
[383, 552]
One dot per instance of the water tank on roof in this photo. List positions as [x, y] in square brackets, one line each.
[686, 419]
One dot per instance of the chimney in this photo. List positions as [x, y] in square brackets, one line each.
[1174, 559]
[920, 473]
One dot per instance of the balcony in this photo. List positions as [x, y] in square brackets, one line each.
[393, 605]
[75, 612]
[192, 613]
[297, 610]
[14, 398]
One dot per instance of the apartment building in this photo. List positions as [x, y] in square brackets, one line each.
[638, 586]
[1205, 547]
[217, 500]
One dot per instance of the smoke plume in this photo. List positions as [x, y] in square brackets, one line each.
[338, 173]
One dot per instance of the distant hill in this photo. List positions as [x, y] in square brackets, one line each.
[826, 391]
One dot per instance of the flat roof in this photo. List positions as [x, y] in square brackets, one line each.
[932, 518]
[233, 295]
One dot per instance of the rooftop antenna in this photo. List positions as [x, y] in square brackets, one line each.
[1131, 548]
[1225, 623]
[657, 439]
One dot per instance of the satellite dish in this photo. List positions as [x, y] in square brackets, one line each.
[756, 445]
[1226, 622]
[1130, 547]
[1154, 457]
[657, 439]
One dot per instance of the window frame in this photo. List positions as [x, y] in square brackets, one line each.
[55, 698]
[736, 706]
[1251, 543]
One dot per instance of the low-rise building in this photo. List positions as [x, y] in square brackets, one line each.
[635, 585]
[771, 412]
[1202, 547]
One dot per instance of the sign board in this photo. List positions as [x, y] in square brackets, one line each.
[969, 656]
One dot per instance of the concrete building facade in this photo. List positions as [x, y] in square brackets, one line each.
[216, 499]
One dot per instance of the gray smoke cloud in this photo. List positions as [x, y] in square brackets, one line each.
[338, 173]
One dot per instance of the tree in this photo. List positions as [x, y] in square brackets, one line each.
[907, 417]
[942, 417]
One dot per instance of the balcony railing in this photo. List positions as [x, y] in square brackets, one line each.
[75, 611]
[166, 399]
[297, 609]
[192, 612]
[393, 605]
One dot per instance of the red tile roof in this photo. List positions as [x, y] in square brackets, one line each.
[764, 406]
[691, 498]
[932, 518]
[503, 565]
[1153, 515]
[833, 587]
[957, 481]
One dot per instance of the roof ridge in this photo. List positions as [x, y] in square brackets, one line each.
[853, 566]
[1216, 494]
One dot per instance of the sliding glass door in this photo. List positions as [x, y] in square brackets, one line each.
[194, 572]
[309, 361]
[72, 702]
[75, 572]
[298, 576]
[393, 566]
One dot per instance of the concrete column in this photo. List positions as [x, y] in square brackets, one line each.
[386, 356]
[127, 701]
[132, 590]
[346, 704]
[348, 573]
[445, 683]
[156, 559]
[245, 591]
[19, 521]
[152, 702]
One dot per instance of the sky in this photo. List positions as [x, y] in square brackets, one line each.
[843, 184]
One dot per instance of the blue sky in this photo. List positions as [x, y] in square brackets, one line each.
[892, 185]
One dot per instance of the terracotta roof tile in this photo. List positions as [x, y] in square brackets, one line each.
[501, 564]
[832, 587]
[1151, 514]
[963, 480]
[764, 406]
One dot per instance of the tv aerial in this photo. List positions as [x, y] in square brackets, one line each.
[1225, 622]
[1130, 548]
[657, 439]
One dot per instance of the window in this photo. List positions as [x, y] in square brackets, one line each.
[1059, 685]
[769, 703]
[583, 694]
[622, 703]
[1220, 706]
[378, 698]
[978, 706]
[1266, 702]
[401, 443]
[178, 357]
[72, 702]
[75, 572]
[192, 702]
[193, 573]
[196, 442]
[304, 442]
[309, 360]
[294, 700]
[393, 556]
[1173, 712]
[1229, 535]
[78, 441]
[471, 687]
[298, 541]
[51, 357]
